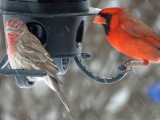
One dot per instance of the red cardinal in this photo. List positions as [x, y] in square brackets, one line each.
[26, 52]
[130, 36]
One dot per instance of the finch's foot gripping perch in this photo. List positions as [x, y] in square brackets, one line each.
[80, 60]
[20, 74]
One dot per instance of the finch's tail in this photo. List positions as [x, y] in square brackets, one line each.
[53, 84]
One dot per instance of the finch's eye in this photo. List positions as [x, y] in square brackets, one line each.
[16, 27]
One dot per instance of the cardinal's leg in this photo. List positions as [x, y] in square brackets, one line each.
[135, 63]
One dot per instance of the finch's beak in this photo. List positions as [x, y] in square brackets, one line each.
[8, 30]
[99, 20]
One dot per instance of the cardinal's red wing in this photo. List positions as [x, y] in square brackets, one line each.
[139, 30]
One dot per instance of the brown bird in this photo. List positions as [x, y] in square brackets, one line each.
[26, 52]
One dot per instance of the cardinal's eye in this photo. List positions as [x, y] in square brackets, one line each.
[103, 15]
[109, 16]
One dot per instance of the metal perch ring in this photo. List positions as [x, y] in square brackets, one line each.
[80, 61]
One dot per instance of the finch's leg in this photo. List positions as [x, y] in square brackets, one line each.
[135, 63]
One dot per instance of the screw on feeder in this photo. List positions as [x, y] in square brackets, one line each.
[79, 44]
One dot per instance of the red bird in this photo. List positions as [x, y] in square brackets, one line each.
[130, 36]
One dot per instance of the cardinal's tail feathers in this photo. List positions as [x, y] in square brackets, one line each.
[52, 83]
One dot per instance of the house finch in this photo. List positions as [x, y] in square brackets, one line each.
[130, 36]
[26, 52]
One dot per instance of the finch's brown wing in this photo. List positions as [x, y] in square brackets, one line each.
[34, 51]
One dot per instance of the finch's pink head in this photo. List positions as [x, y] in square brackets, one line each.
[15, 26]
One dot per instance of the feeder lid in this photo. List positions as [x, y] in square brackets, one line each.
[91, 11]
[39, 8]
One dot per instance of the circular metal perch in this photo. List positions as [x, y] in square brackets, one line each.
[80, 61]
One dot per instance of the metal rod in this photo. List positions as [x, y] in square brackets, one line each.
[4, 62]
[14, 72]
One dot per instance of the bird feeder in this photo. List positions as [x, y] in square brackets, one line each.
[59, 25]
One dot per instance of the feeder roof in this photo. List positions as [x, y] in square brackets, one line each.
[91, 11]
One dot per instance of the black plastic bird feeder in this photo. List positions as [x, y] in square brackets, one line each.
[59, 26]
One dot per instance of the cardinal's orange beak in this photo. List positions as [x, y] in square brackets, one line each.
[99, 20]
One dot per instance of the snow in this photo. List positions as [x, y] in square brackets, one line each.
[118, 100]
